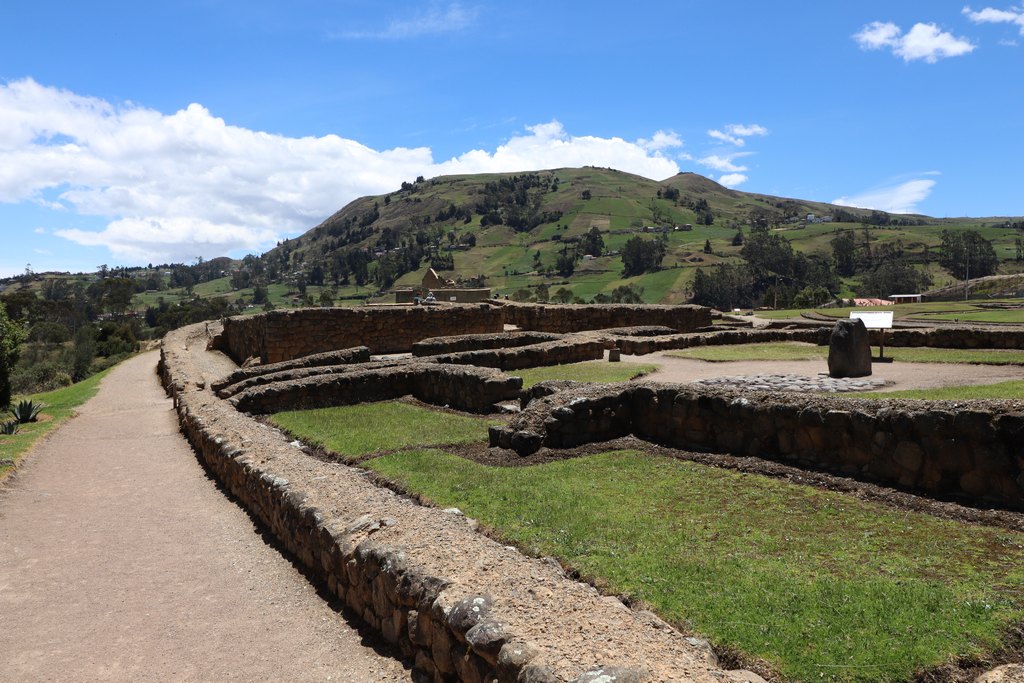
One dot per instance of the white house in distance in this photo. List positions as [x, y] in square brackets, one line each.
[905, 298]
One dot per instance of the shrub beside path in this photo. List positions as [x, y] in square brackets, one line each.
[121, 560]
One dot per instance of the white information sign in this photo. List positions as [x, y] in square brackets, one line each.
[874, 320]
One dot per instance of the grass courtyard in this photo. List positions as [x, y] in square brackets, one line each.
[819, 585]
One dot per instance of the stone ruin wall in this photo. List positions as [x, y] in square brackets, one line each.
[577, 318]
[448, 631]
[968, 451]
[284, 335]
[971, 451]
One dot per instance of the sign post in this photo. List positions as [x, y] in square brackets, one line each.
[876, 320]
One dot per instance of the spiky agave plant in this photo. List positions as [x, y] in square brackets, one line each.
[9, 427]
[26, 411]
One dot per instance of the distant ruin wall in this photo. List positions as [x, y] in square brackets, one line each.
[557, 352]
[476, 342]
[967, 450]
[284, 335]
[462, 387]
[576, 318]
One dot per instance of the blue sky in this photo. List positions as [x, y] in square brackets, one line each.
[136, 132]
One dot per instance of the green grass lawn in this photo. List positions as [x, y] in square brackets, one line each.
[821, 585]
[60, 405]
[770, 351]
[598, 371]
[355, 431]
[1002, 390]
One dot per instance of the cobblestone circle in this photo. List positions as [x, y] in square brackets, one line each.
[821, 382]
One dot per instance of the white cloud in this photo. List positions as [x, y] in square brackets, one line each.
[877, 35]
[39, 231]
[735, 133]
[724, 162]
[990, 15]
[922, 41]
[176, 186]
[732, 179]
[436, 20]
[902, 197]
[661, 141]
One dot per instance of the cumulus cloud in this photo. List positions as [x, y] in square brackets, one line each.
[724, 162]
[901, 197]
[922, 41]
[990, 15]
[732, 179]
[661, 141]
[435, 20]
[176, 186]
[735, 133]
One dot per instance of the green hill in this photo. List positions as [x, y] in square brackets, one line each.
[509, 230]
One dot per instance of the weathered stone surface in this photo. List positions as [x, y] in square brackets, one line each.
[849, 351]
[537, 674]
[613, 674]
[513, 658]
[487, 638]
[1008, 673]
[468, 612]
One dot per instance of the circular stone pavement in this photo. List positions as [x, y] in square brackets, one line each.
[819, 382]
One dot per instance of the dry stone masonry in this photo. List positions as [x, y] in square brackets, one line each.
[458, 605]
[461, 607]
[969, 450]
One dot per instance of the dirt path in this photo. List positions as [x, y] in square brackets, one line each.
[121, 560]
[901, 375]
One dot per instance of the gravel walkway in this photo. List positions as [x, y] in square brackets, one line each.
[897, 376]
[121, 560]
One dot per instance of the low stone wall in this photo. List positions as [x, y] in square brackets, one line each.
[284, 335]
[358, 354]
[535, 355]
[466, 388]
[969, 450]
[576, 318]
[300, 374]
[476, 342]
[639, 346]
[954, 337]
[356, 542]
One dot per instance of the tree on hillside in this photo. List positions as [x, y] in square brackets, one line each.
[894, 277]
[562, 296]
[592, 243]
[724, 287]
[565, 263]
[12, 334]
[844, 253]
[642, 256]
[966, 254]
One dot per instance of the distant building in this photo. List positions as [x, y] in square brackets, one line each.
[906, 298]
[444, 290]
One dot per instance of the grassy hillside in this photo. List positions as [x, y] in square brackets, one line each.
[567, 203]
[508, 231]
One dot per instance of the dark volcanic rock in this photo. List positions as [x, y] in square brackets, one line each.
[849, 350]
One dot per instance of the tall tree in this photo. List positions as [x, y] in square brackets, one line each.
[12, 334]
[966, 254]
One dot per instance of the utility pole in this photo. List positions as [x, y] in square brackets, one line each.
[967, 272]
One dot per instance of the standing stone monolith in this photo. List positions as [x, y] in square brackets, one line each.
[849, 350]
